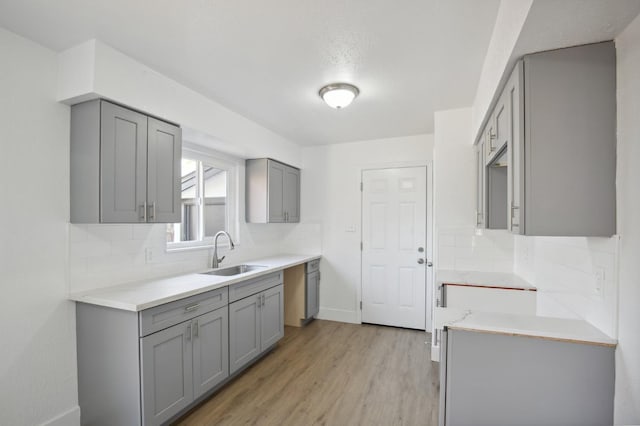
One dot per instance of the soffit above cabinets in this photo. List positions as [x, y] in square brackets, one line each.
[267, 60]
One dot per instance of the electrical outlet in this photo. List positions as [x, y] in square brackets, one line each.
[599, 275]
[148, 255]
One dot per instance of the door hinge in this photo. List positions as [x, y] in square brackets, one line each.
[361, 305]
[361, 246]
[361, 186]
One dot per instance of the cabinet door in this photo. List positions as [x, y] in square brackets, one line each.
[275, 196]
[210, 350]
[244, 331]
[292, 194]
[272, 316]
[167, 373]
[515, 179]
[480, 184]
[123, 165]
[164, 177]
[312, 299]
[501, 118]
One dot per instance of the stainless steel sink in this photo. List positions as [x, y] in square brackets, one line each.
[234, 270]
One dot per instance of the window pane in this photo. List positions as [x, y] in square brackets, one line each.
[215, 200]
[187, 229]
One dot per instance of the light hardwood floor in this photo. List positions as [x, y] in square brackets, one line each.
[331, 373]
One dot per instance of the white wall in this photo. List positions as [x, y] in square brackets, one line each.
[627, 408]
[331, 197]
[459, 245]
[509, 23]
[38, 380]
[94, 69]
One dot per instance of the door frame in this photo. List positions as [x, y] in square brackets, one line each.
[429, 271]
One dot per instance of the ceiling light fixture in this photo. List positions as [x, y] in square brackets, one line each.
[338, 95]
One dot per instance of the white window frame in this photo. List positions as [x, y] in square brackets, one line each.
[230, 165]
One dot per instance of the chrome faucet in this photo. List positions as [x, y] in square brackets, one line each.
[216, 262]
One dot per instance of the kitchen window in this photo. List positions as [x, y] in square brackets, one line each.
[208, 194]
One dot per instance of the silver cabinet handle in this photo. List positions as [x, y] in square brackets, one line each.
[192, 308]
[420, 261]
[429, 264]
[189, 332]
[144, 211]
[196, 329]
[263, 297]
[259, 301]
[152, 215]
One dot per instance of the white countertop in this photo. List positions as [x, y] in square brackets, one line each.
[483, 279]
[563, 329]
[140, 295]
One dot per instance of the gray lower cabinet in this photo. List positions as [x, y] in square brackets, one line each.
[312, 306]
[272, 192]
[505, 380]
[125, 166]
[255, 324]
[167, 373]
[182, 363]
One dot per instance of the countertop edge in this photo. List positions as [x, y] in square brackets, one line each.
[92, 296]
[533, 335]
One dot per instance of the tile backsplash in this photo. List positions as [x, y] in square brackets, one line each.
[104, 255]
[473, 249]
[575, 277]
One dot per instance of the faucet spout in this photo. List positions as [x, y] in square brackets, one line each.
[215, 263]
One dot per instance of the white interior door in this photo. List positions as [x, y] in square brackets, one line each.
[394, 208]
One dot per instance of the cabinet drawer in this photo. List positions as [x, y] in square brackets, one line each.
[247, 288]
[313, 266]
[163, 316]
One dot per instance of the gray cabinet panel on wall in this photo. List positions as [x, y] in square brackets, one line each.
[276, 192]
[570, 141]
[552, 382]
[291, 201]
[125, 166]
[272, 192]
[164, 177]
[481, 171]
[559, 123]
[167, 373]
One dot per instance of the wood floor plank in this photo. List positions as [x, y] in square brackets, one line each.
[331, 373]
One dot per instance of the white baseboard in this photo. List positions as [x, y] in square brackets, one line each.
[339, 315]
[70, 417]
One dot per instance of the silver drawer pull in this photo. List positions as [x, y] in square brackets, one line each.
[192, 308]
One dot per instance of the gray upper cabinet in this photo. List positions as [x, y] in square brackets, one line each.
[272, 192]
[125, 166]
[480, 183]
[164, 153]
[560, 132]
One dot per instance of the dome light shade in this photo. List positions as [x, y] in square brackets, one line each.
[339, 95]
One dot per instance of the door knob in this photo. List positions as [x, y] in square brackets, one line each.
[420, 249]
[429, 264]
[420, 261]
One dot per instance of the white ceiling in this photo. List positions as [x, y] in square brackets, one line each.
[267, 59]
